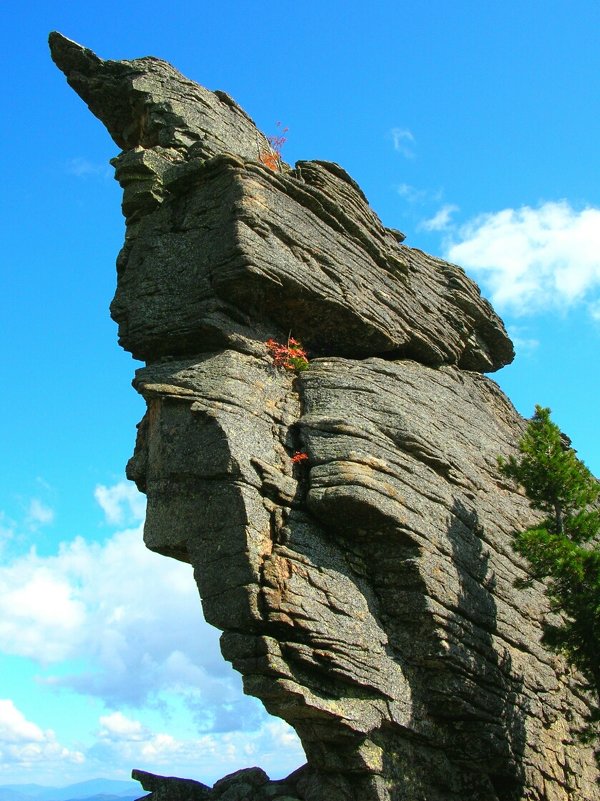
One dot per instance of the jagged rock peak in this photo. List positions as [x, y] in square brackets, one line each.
[147, 103]
[254, 250]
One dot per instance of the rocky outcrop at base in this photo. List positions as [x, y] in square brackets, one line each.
[348, 525]
[248, 784]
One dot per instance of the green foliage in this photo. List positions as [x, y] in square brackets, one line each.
[565, 548]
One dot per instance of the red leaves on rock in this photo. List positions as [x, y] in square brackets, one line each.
[272, 158]
[291, 356]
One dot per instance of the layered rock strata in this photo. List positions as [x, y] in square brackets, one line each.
[366, 594]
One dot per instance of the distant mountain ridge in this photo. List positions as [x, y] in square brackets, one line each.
[91, 790]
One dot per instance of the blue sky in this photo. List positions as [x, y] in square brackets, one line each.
[473, 127]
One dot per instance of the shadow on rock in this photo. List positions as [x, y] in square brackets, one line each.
[477, 696]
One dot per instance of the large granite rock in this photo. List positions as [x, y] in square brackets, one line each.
[366, 594]
[220, 248]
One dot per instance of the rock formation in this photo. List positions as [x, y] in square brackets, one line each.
[366, 594]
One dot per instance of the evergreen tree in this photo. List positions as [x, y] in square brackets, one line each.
[564, 548]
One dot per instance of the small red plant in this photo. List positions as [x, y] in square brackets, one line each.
[272, 158]
[291, 356]
[299, 456]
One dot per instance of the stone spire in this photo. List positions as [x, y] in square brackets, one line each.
[366, 593]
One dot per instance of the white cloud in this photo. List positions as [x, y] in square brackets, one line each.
[24, 744]
[14, 727]
[121, 727]
[27, 752]
[419, 197]
[411, 193]
[521, 340]
[282, 735]
[274, 745]
[594, 310]
[124, 625]
[403, 141]
[122, 504]
[531, 259]
[84, 168]
[39, 610]
[118, 604]
[441, 220]
[130, 618]
[39, 514]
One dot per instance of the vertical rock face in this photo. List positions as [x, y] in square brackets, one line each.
[366, 594]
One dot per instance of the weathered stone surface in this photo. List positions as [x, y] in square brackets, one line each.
[367, 593]
[249, 784]
[147, 104]
[168, 788]
[367, 596]
[219, 247]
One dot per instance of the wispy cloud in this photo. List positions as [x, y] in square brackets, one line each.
[531, 259]
[594, 310]
[419, 197]
[411, 193]
[7, 530]
[39, 514]
[121, 503]
[524, 344]
[84, 168]
[403, 141]
[441, 221]
[121, 741]
[124, 740]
